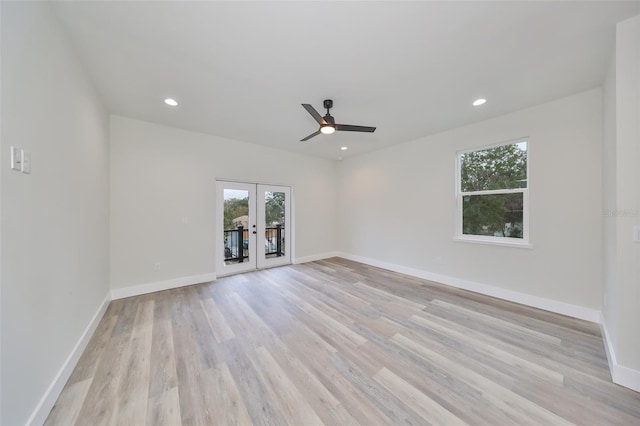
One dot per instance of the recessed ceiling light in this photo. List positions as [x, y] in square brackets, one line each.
[171, 102]
[344, 148]
[479, 102]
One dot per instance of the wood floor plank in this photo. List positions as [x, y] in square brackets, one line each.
[308, 384]
[295, 409]
[133, 392]
[435, 382]
[317, 357]
[189, 364]
[459, 352]
[208, 348]
[320, 399]
[384, 400]
[616, 397]
[338, 342]
[325, 319]
[567, 405]
[164, 375]
[91, 357]
[526, 331]
[343, 313]
[273, 309]
[500, 397]
[101, 402]
[429, 410]
[390, 298]
[571, 352]
[226, 404]
[459, 333]
[67, 408]
[245, 323]
[218, 324]
[239, 352]
[255, 394]
[163, 409]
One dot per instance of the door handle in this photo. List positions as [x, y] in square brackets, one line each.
[255, 232]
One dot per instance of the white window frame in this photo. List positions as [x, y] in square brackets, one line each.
[523, 242]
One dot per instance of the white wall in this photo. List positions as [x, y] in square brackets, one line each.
[622, 162]
[628, 194]
[55, 220]
[160, 174]
[398, 205]
[2, 158]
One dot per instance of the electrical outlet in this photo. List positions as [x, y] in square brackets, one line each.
[26, 162]
[16, 158]
[156, 266]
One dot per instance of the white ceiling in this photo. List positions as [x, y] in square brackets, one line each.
[241, 69]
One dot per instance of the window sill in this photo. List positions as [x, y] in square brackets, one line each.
[494, 242]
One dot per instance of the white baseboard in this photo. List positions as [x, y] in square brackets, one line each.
[621, 375]
[550, 305]
[315, 257]
[52, 393]
[136, 290]
[608, 345]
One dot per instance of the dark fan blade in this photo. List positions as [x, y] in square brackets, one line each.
[350, 128]
[310, 136]
[311, 110]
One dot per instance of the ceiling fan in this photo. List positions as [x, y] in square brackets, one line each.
[328, 123]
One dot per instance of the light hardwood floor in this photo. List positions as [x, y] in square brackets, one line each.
[338, 342]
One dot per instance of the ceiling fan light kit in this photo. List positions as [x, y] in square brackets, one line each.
[328, 123]
[327, 129]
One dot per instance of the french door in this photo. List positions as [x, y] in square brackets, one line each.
[253, 224]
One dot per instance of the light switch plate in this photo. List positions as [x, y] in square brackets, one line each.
[16, 158]
[636, 234]
[26, 162]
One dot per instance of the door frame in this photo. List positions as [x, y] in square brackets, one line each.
[224, 270]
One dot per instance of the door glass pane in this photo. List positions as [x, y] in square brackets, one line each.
[274, 208]
[236, 226]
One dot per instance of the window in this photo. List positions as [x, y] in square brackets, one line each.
[492, 194]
